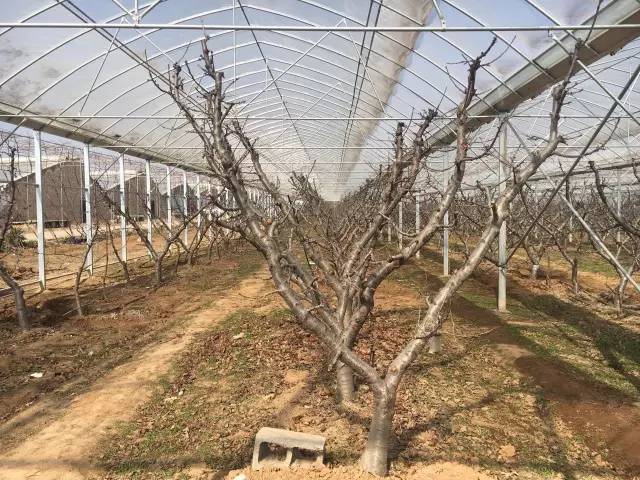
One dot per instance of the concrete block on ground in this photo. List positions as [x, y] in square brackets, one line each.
[300, 449]
[435, 343]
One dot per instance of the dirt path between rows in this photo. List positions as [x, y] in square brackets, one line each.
[63, 449]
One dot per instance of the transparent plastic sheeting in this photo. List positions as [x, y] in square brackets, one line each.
[301, 90]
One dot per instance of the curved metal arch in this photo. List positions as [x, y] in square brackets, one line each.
[30, 16]
[105, 82]
[265, 131]
[172, 105]
[52, 49]
[306, 130]
[251, 43]
[500, 35]
[452, 44]
[387, 37]
[583, 78]
[441, 37]
[252, 111]
[152, 99]
[77, 69]
[392, 61]
[169, 104]
[187, 137]
[302, 67]
[277, 46]
[590, 103]
[279, 121]
[315, 70]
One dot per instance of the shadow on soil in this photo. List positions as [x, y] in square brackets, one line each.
[598, 412]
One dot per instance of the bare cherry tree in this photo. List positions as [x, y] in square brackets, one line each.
[7, 202]
[302, 242]
[621, 231]
[170, 236]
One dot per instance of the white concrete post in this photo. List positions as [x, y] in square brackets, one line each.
[198, 205]
[502, 237]
[88, 221]
[418, 218]
[147, 172]
[618, 204]
[568, 190]
[185, 206]
[445, 221]
[169, 213]
[123, 209]
[42, 275]
[400, 224]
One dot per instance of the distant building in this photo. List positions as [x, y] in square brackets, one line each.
[63, 197]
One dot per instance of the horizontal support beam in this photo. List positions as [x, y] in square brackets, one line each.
[300, 119]
[315, 28]
[197, 147]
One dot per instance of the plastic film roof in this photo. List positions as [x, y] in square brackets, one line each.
[325, 98]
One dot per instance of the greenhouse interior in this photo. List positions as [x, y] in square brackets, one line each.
[319, 239]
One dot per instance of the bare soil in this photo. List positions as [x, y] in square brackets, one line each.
[62, 448]
[43, 369]
[527, 394]
[64, 257]
[549, 389]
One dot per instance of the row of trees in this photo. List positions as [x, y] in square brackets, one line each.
[613, 217]
[323, 256]
[165, 239]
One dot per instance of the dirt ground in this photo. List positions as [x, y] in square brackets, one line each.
[64, 257]
[43, 369]
[549, 389]
[62, 448]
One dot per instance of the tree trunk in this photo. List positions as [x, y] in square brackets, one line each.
[210, 250]
[622, 285]
[22, 312]
[345, 388]
[375, 458]
[534, 271]
[76, 294]
[158, 272]
[574, 277]
[21, 308]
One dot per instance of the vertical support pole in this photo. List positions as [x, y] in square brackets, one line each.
[42, 275]
[88, 220]
[209, 208]
[567, 195]
[169, 199]
[185, 206]
[198, 205]
[123, 208]
[400, 224]
[418, 218]
[502, 237]
[445, 221]
[618, 204]
[147, 178]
